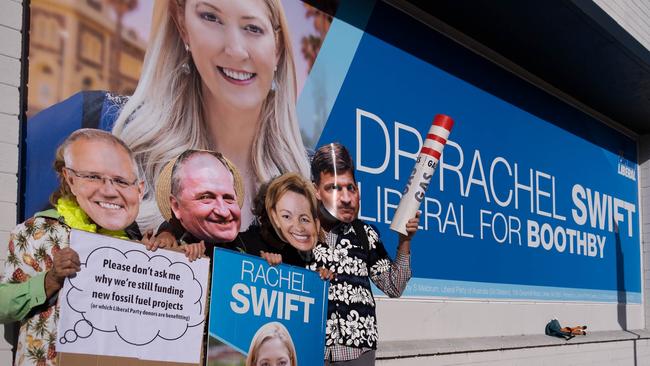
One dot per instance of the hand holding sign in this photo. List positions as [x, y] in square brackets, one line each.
[65, 263]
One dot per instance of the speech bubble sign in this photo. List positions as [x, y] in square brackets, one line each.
[129, 302]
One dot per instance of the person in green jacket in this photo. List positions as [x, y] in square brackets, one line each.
[100, 191]
[17, 299]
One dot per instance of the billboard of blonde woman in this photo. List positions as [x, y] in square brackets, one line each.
[216, 74]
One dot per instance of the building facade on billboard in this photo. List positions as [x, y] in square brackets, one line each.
[537, 209]
[73, 47]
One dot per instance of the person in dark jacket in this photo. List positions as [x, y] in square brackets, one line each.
[286, 210]
[200, 194]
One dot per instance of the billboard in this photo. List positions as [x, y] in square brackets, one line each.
[524, 205]
[532, 199]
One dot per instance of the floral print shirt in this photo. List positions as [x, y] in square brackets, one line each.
[351, 326]
[31, 247]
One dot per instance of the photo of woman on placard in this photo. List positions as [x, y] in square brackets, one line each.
[272, 345]
[218, 74]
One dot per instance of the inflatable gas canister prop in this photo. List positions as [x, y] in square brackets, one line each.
[422, 172]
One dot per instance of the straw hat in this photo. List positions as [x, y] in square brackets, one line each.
[164, 183]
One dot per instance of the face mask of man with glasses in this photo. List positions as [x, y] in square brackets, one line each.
[108, 193]
[104, 182]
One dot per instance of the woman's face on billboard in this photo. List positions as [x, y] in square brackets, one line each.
[233, 45]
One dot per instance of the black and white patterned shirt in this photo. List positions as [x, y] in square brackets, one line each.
[351, 327]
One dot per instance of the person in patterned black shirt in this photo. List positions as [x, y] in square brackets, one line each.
[355, 254]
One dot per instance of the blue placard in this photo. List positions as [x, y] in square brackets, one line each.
[247, 293]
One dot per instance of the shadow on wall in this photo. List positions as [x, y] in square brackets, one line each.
[620, 286]
[620, 282]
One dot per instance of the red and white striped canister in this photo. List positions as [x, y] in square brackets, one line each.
[422, 172]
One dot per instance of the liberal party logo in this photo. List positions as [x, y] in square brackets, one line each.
[626, 168]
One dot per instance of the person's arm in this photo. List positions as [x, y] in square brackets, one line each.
[65, 263]
[22, 266]
[23, 283]
[18, 299]
[273, 259]
[391, 276]
[320, 262]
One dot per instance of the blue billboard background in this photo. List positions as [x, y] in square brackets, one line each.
[524, 205]
[375, 88]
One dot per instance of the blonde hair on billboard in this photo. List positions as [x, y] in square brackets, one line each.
[267, 332]
[164, 117]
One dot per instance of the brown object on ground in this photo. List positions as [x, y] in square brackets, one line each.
[579, 330]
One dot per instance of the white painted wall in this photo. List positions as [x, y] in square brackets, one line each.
[11, 12]
[644, 192]
[403, 319]
[632, 15]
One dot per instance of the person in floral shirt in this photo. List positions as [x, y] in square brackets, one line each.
[100, 191]
[354, 253]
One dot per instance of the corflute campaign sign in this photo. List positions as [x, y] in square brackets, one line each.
[252, 303]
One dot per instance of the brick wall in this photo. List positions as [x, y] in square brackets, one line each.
[11, 12]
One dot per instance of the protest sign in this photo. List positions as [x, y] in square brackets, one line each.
[129, 302]
[251, 299]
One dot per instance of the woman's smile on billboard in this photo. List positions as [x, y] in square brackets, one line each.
[233, 46]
